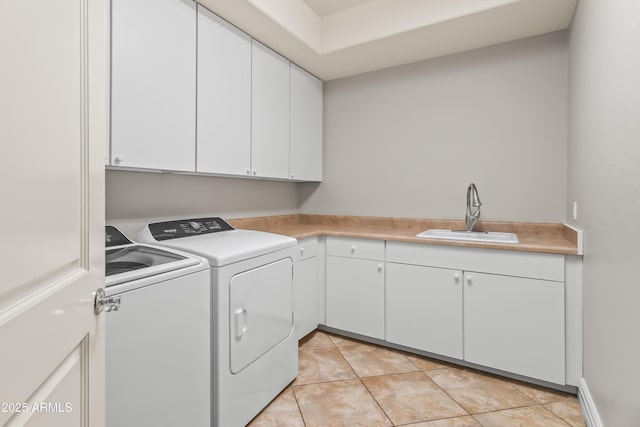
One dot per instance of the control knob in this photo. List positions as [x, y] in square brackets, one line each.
[195, 225]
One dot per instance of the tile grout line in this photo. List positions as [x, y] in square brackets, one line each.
[445, 391]
[293, 390]
[521, 407]
[326, 382]
[377, 403]
[556, 415]
[402, 373]
[518, 407]
[365, 386]
[417, 370]
[496, 378]
[535, 402]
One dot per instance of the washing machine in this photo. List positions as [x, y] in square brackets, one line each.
[255, 350]
[157, 336]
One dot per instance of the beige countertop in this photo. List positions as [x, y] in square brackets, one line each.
[533, 237]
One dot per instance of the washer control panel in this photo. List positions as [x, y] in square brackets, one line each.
[187, 227]
[114, 237]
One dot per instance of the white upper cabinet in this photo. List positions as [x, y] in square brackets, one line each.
[250, 112]
[269, 113]
[153, 84]
[305, 126]
[224, 97]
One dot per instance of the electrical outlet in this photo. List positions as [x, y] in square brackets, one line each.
[575, 211]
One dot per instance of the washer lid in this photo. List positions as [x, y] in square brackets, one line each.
[226, 247]
[133, 262]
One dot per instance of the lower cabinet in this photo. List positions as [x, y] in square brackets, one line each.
[355, 295]
[306, 296]
[515, 324]
[424, 308]
[499, 309]
[306, 291]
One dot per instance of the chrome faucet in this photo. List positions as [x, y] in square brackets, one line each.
[473, 200]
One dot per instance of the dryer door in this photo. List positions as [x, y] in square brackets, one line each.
[261, 311]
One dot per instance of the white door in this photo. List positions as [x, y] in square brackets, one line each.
[53, 113]
[269, 113]
[355, 295]
[153, 93]
[260, 311]
[224, 97]
[515, 324]
[306, 296]
[305, 126]
[424, 308]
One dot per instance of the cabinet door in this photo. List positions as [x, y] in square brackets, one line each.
[305, 126]
[355, 295]
[224, 96]
[306, 296]
[424, 308]
[515, 324]
[153, 84]
[269, 113]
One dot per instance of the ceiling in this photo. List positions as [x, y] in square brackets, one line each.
[328, 7]
[339, 38]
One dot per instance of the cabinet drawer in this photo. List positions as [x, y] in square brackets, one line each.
[307, 248]
[509, 263]
[356, 248]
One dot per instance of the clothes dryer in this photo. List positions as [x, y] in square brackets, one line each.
[255, 349]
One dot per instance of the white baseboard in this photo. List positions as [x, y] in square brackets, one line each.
[588, 406]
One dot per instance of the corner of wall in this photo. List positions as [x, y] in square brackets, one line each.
[588, 406]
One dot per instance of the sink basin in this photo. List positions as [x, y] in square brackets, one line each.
[470, 236]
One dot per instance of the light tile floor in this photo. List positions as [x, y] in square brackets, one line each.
[344, 382]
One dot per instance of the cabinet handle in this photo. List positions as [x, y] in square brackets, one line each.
[301, 251]
[456, 277]
[380, 267]
[119, 158]
[254, 172]
[291, 176]
[353, 249]
[248, 171]
[469, 279]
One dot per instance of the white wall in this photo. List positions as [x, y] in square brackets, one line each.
[135, 198]
[407, 141]
[604, 178]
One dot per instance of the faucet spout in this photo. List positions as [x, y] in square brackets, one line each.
[473, 201]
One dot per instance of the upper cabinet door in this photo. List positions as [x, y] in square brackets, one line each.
[269, 113]
[153, 86]
[306, 126]
[224, 97]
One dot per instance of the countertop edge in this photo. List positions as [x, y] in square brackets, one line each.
[564, 242]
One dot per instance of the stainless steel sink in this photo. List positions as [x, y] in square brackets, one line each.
[470, 236]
